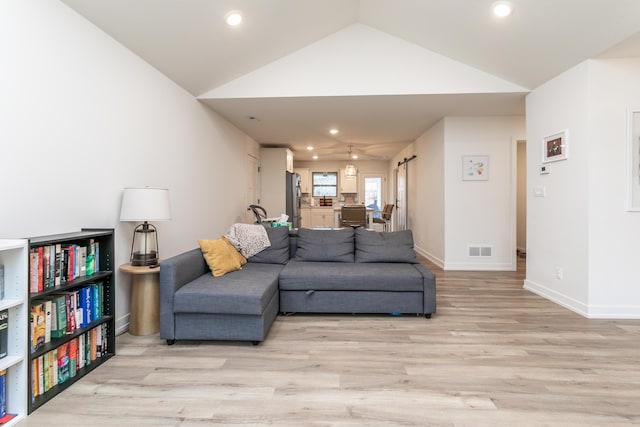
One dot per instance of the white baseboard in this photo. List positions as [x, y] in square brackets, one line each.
[556, 297]
[614, 312]
[472, 266]
[437, 261]
[122, 324]
[586, 310]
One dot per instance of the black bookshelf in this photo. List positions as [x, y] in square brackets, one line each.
[104, 325]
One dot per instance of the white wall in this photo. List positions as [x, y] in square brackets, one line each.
[613, 267]
[582, 225]
[481, 213]
[82, 118]
[428, 212]
[447, 214]
[557, 228]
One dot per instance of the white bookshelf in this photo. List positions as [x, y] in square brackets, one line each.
[14, 255]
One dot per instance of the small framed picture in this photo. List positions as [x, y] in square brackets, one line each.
[475, 168]
[555, 147]
[633, 160]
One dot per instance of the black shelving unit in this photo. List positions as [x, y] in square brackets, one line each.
[106, 276]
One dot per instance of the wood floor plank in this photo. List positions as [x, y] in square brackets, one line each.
[493, 355]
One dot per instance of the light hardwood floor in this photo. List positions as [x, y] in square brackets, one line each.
[493, 355]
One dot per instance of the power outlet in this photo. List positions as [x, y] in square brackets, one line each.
[559, 273]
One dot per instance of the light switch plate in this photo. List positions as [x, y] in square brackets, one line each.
[544, 169]
[539, 191]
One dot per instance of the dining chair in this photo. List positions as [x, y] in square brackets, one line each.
[385, 216]
[353, 216]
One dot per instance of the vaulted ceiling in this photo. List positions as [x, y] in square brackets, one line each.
[380, 71]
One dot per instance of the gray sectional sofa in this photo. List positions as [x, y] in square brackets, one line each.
[311, 271]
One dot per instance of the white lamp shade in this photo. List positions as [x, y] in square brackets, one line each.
[145, 204]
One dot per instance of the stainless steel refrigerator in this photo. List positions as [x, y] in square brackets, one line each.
[293, 199]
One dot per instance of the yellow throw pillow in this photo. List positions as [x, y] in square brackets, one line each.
[219, 256]
[241, 259]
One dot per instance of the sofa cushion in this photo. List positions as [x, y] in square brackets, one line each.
[221, 256]
[373, 246]
[325, 245]
[247, 291]
[278, 252]
[318, 276]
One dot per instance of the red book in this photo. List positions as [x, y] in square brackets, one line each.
[71, 263]
[7, 418]
[71, 312]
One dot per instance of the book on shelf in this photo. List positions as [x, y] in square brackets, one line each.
[6, 418]
[65, 312]
[53, 367]
[41, 375]
[4, 333]
[53, 265]
[57, 260]
[3, 393]
[91, 258]
[45, 372]
[59, 328]
[1, 281]
[47, 321]
[73, 357]
[64, 362]
[33, 271]
[37, 319]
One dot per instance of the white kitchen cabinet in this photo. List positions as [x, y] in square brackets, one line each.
[305, 218]
[305, 181]
[322, 217]
[348, 184]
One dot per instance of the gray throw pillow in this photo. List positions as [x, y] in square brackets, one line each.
[373, 246]
[278, 252]
[325, 245]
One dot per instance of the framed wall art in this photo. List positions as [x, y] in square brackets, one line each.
[555, 147]
[633, 160]
[475, 168]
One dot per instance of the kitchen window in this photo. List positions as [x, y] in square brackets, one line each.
[325, 184]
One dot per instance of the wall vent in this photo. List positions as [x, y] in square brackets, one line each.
[480, 251]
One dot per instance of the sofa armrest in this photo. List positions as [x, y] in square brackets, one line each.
[429, 283]
[175, 272]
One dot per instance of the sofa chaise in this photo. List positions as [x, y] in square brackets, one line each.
[311, 271]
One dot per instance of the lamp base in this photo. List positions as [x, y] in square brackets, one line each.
[138, 259]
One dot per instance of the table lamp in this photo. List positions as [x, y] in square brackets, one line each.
[145, 204]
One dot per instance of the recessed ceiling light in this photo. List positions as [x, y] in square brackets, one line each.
[502, 8]
[310, 148]
[233, 18]
[354, 157]
[334, 131]
[315, 157]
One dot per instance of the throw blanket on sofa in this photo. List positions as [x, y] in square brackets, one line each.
[249, 239]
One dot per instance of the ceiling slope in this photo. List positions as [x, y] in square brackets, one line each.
[541, 38]
[360, 60]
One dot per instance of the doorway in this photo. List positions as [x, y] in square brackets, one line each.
[521, 199]
[253, 186]
[401, 198]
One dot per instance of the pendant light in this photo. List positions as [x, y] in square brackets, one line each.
[350, 170]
